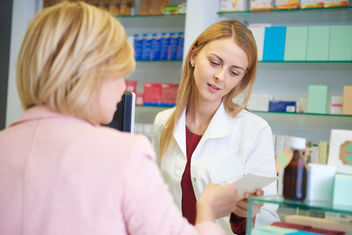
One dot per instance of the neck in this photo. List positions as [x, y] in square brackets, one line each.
[199, 114]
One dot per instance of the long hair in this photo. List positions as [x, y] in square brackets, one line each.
[243, 37]
[66, 51]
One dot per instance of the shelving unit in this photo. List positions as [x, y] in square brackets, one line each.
[317, 16]
[285, 80]
[288, 80]
[161, 71]
[315, 209]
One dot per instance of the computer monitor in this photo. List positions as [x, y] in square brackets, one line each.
[124, 116]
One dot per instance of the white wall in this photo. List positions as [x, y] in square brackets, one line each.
[22, 13]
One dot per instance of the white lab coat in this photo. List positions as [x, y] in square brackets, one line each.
[229, 149]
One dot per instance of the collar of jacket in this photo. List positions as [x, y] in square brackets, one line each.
[218, 127]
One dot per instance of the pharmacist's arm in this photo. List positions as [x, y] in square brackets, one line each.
[260, 160]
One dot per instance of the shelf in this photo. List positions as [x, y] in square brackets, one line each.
[137, 16]
[308, 61]
[312, 16]
[151, 22]
[290, 207]
[254, 111]
[159, 61]
[325, 206]
[304, 114]
[284, 10]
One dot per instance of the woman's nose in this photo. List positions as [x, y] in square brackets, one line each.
[220, 74]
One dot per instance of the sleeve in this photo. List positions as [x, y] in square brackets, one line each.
[148, 206]
[260, 160]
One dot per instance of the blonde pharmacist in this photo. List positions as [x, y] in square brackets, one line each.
[61, 172]
[207, 138]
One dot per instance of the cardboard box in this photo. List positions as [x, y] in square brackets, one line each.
[318, 99]
[233, 5]
[286, 4]
[131, 86]
[336, 105]
[296, 43]
[168, 94]
[274, 43]
[139, 98]
[261, 5]
[320, 182]
[340, 47]
[318, 43]
[282, 106]
[347, 100]
[258, 34]
[342, 190]
[152, 93]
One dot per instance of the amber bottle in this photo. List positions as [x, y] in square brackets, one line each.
[295, 174]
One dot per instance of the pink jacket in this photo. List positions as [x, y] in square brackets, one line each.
[62, 175]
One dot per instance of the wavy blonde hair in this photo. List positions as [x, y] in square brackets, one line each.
[66, 51]
[243, 37]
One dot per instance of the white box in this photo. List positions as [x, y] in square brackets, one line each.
[233, 5]
[320, 182]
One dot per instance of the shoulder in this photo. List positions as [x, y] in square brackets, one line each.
[111, 142]
[250, 119]
[162, 117]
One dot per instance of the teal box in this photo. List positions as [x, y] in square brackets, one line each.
[296, 43]
[340, 42]
[274, 43]
[318, 43]
[318, 99]
[343, 190]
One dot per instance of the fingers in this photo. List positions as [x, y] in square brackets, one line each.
[240, 212]
[258, 192]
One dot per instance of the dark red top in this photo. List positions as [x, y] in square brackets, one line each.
[238, 224]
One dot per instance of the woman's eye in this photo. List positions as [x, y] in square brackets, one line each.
[234, 73]
[214, 63]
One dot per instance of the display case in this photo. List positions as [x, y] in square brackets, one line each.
[313, 216]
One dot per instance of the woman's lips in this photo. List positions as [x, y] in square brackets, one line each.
[213, 88]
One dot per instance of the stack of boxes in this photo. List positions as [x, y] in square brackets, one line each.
[159, 46]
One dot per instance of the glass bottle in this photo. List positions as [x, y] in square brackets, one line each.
[295, 173]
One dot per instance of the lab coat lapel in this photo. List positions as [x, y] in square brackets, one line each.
[219, 125]
[180, 133]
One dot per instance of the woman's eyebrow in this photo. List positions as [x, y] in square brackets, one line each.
[235, 66]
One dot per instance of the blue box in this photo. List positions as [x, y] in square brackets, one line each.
[147, 46]
[282, 106]
[180, 43]
[164, 48]
[274, 43]
[173, 46]
[156, 46]
[138, 46]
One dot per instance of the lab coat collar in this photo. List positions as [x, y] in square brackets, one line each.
[217, 128]
[180, 132]
[219, 125]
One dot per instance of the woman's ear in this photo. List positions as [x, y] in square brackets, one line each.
[192, 59]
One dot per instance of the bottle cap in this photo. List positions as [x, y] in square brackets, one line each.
[298, 143]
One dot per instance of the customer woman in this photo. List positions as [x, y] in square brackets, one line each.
[209, 137]
[63, 173]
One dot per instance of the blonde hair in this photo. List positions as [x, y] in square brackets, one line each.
[222, 29]
[67, 50]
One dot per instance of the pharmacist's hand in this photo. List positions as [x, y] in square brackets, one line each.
[242, 205]
[216, 201]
